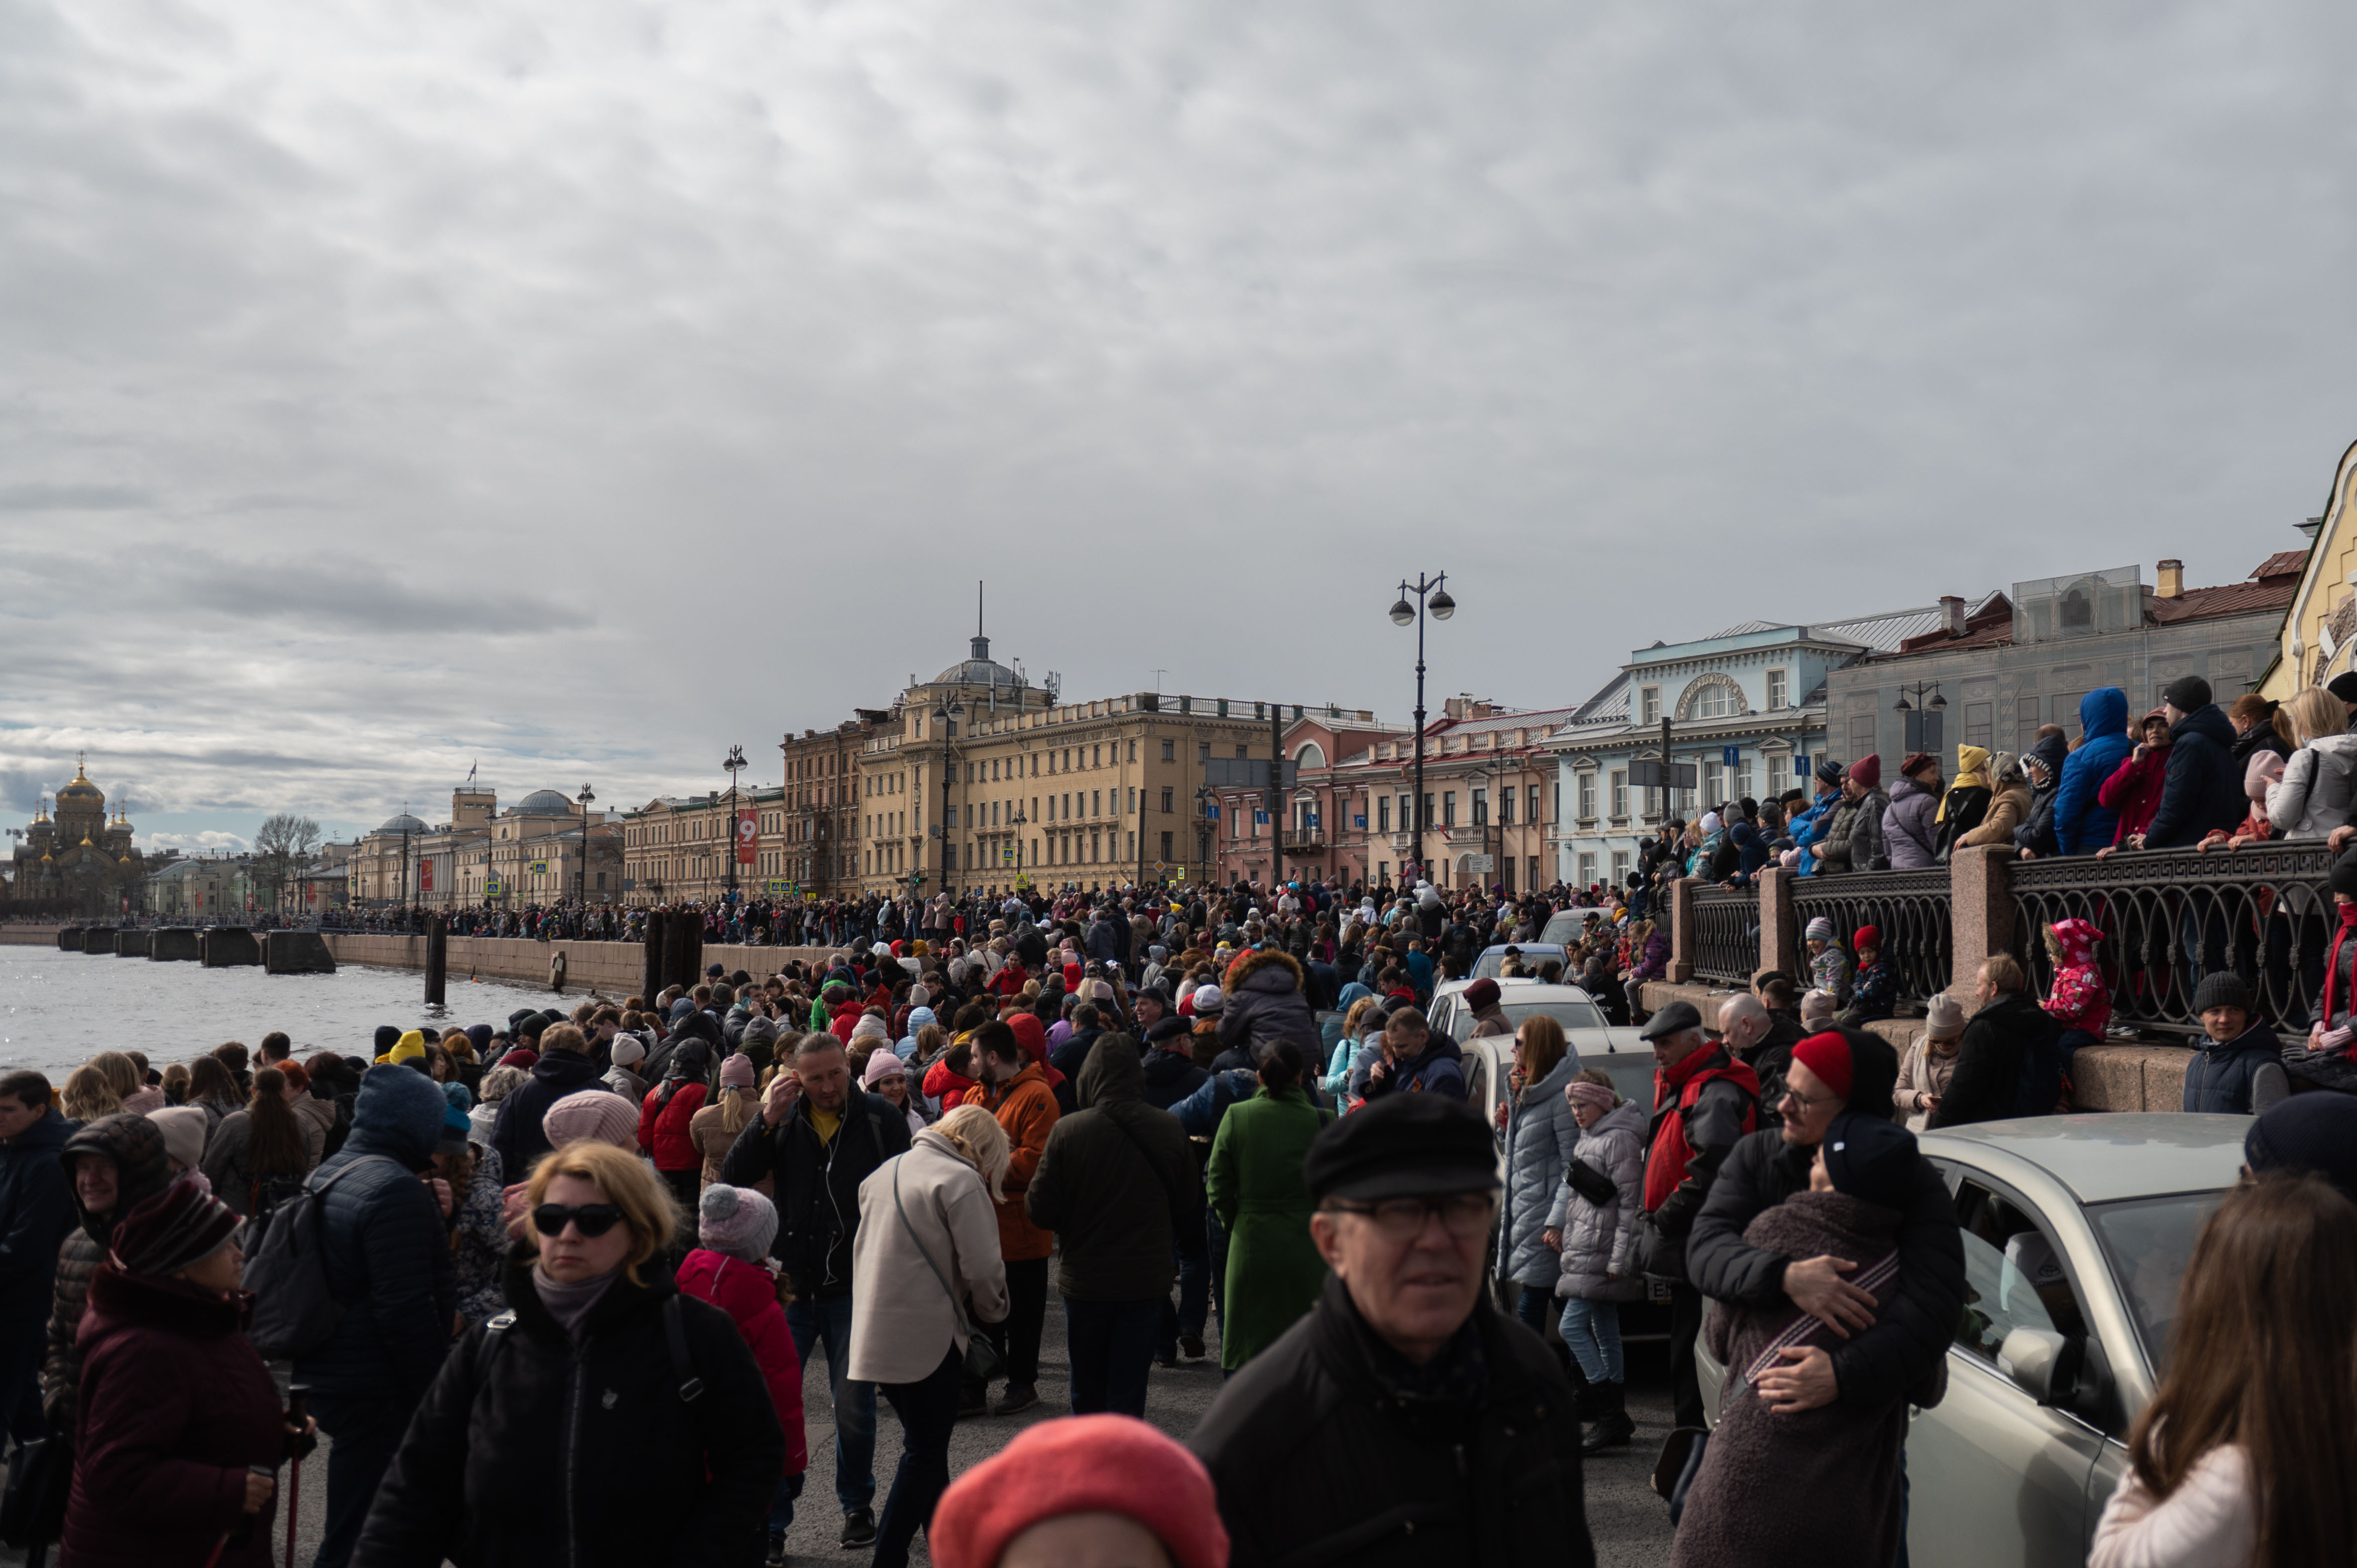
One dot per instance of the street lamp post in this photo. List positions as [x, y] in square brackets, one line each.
[1935, 704]
[585, 796]
[1441, 606]
[735, 762]
[943, 717]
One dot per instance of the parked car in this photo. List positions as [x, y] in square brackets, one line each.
[1617, 1051]
[1566, 927]
[1493, 958]
[2076, 1229]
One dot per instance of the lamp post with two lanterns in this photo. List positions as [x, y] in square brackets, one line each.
[1440, 607]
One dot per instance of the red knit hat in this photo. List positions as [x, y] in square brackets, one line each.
[1081, 1464]
[1827, 1056]
[1866, 937]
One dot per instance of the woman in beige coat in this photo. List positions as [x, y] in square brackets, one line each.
[1930, 1061]
[2009, 809]
[712, 1130]
[925, 1268]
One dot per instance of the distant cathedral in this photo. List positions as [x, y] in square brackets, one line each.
[78, 861]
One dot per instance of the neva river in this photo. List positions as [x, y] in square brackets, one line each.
[58, 1009]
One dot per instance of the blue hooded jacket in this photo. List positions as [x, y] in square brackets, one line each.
[2083, 824]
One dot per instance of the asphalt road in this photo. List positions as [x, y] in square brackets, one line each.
[1630, 1525]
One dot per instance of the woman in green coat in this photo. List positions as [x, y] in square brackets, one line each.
[1275, 1274]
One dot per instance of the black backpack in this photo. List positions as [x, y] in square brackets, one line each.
[286, 1269]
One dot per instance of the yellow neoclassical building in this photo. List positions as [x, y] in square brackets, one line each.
[2321, 627]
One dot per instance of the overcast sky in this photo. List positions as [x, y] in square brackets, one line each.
[581, 387]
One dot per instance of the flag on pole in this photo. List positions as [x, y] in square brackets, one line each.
[470, 772]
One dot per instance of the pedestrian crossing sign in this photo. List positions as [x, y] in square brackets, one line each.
[539, 868]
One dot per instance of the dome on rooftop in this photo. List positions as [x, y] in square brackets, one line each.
[404, 823]
[978, 669]
[544, 803]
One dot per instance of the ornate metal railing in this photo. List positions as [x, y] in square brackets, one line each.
[1910, 909]
[1726, 935]
[2169, 917]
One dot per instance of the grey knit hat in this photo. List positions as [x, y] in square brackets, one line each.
[737, 1220]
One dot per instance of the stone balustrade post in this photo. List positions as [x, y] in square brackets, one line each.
[1980, 891]
[1778, 948]
[1682, 930]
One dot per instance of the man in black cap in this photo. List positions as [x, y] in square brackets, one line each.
[1405, 1419]
[1704, 1102]
[2203, 787]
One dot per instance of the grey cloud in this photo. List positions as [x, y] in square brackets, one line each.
[70, 498]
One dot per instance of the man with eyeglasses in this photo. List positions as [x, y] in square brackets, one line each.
[1403, 1371]
[1704, 1102]
[1874, 1360]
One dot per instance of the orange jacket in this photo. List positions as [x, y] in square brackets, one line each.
[1026, 1107]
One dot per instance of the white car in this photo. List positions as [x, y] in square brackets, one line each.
[2076, 1229]
[1618, 1051]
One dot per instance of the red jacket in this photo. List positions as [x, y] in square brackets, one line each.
[2133, 791]
[748, 1294]
[1665, 1162]
[175, 1405]
[666, 1134]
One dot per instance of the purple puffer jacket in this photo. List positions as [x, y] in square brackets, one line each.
[1910, 835]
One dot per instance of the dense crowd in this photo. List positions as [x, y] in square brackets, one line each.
[566, 1271]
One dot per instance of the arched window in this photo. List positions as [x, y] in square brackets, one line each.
[1310, 755]
[1710, 702]
[2078, 610]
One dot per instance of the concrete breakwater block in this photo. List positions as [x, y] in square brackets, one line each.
[98, 939]
[227, 946]
[131, 944]
[175, 945]
[69, 939]
[297, 952]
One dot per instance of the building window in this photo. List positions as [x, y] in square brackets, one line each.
[1619, 793]
[1861, 735]
[1480, 808]
[1165, 847]
[1587, 867]
[1382, 813]
[1649, 704]
[1710, 702]
[1202, 751]
[1170, 754]
[1712, 781]
[2025, 723]
[1979, 723]
[1777, 697]
[1741, 784]
[1587, 797]
[1167, 795]
[1620, 867]
[2078, 611]
[1449, 808]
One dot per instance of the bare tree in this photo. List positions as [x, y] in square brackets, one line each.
[282, 843]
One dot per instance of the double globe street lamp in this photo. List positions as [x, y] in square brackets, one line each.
[1440, 607]
[943, 715]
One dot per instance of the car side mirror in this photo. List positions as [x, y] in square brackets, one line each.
[2042, 1364]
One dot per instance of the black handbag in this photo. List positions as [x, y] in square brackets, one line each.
[33, 1507]
[983, 1362]
[1590, 1182]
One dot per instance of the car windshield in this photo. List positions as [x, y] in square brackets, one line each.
[1487, 966]
[2148, 1241]
[1570, 1015]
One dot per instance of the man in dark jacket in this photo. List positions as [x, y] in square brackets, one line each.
[1169, 1071]
[1704, 1101]
[1118, 1184]
[1415, 1060]
[388, 1262]
[2004, 1066]
[1088, 1028]
[1874, 1360]
[1404, 1421]
[2203, 788]
[37, 1209]
[2233, 1047]
[564, 1068]
[1265, 1002]
[1762, 1041]
[817, 1139]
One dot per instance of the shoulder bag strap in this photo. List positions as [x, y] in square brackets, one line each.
[957, 1307]
[1161, 1176]
[683, 1365]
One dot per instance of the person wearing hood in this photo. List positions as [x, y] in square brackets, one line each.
[564, 1068]
[917, 1018]
[115, 1164]
[1118, 1186]
[2042, 766]
[1265, 1002]
[1016, 1090]
[2203, 789]
[2004, 1068]
[1967, 799]
[2082, 823]
[627, 1052]
[387, 1255]
[1538, 1133]
[1877, 1348]
[1930, 1062]
[2080, 1002]
[2007, 809]
[2233, 1047]
[1032, 1035]
[1595, 1272]
[1480, 999]
[36, 1212]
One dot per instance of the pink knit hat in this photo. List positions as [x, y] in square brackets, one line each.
[883, 1064]
[737, 1072]
[595, 1116]
[1081, 1464]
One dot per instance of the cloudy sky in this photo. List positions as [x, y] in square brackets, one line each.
[579, 386]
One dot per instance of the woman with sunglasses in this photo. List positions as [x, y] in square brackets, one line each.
[605, 1419]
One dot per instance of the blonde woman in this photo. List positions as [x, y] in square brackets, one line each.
[88, 1096]
[926, 1271]
[714, 1128]
[598, 1346]
[2320, 782]
[125, 1078]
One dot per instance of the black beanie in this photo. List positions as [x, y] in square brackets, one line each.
[2343, 685]
[2343, 876]
[387, 1037]
[2223, 989]
[2307, 1132]
[2186, 694]
[1870, 1158]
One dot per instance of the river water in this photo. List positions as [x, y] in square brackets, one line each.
[59, 1008]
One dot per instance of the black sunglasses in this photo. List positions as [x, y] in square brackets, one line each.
[594, 1218]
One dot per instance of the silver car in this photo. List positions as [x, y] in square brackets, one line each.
[1597, 1043]
[2076, 1229]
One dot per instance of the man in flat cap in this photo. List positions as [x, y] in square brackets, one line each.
[1704, 1102]
[1405, 1419]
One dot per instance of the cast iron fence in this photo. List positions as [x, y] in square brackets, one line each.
[1726, 935]
[2169, 917]
[1911, 911]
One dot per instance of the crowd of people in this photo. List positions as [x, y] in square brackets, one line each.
[579, 1260]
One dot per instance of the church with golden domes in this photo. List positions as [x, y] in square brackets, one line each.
[77, 860]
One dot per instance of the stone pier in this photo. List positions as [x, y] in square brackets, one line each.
[228, 947]
[131, 944]
[175, 945]
[97, 939]
[297, 952]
